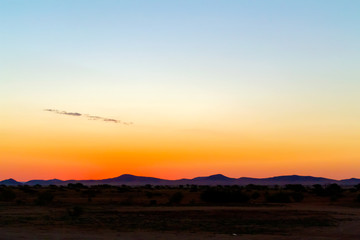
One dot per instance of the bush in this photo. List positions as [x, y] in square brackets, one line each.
[7, 195]
[176, 198]
[295, 187]
[297, 196]
[318, 190]
[76, 186]
[193, 188]
[278, 197]
[256, 187]
[90, 193]
[148, 186]
[123, 189]
[334, 191]
[44, 198]
[224, 195]
[27, 189]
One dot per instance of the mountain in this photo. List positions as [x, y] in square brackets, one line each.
[217, 179]
[351, 181]
[129, 179]
[10, 182]
[296, 179]
[45, 182]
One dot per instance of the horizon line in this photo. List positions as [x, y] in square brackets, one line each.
[34, 179]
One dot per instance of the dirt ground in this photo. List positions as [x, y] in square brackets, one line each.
[173, 213]
[334, 222]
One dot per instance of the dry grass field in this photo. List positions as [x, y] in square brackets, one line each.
[185, 212]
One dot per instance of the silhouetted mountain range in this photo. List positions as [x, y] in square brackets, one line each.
[217, 179]
[10, 182]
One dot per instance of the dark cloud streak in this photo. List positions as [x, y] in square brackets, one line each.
[64, 112]
[89, 117]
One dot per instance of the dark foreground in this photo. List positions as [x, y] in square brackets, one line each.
[187, 212]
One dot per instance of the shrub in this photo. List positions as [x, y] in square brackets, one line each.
[334, 191]
[297, 196]
[76, 186]
[27, 189]
[44, 198]
[256, 187]
[148, 186]
[224, 195]
[278, 197]
[123, 188]
[295, 187]
[193, 188]
[7, 195]
[176, 198]
[318, 190]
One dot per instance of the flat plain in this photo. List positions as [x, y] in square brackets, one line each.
[185, 212]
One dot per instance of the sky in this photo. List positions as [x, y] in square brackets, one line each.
[179, 89]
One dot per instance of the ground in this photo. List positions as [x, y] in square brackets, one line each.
[335, 222]
[141, 213]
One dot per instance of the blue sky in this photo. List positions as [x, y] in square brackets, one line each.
[218, 49]
[254, 68]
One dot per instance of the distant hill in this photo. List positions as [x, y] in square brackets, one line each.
[10, 182]
[217, 179]
[296, 179]
[351, 181]
[129, 179]
[45, 182]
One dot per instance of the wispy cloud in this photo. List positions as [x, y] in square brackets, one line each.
[64, 112]
[88, 116]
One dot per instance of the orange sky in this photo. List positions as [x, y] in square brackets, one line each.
[241, 88]
[78, 148]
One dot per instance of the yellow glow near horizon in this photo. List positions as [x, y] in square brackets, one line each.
[79, 148]
[240, 88]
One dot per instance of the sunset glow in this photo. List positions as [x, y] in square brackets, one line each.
[179, 89]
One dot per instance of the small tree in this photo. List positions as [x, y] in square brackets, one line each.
[176, 198]
[334, 191]
[318, 190]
